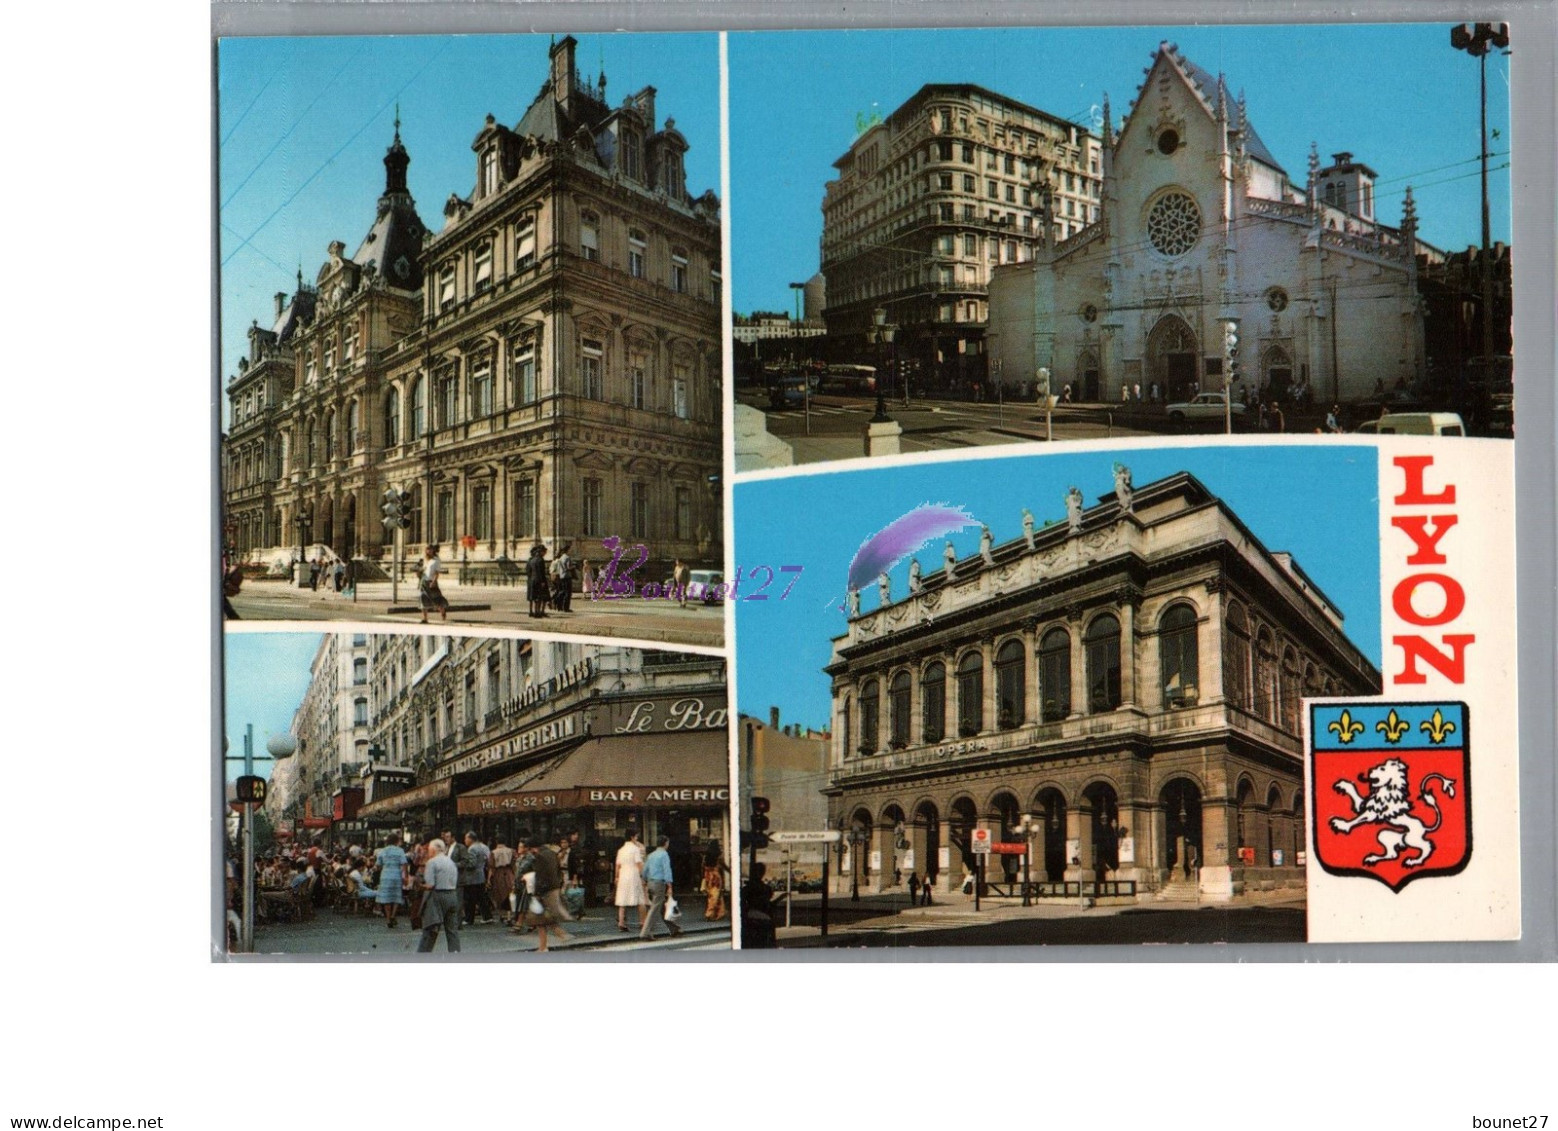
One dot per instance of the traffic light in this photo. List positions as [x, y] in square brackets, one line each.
[250, 789]
[395, 506]
[759, 822]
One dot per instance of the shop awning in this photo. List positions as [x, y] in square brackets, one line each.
[651, 771]
[410, 799]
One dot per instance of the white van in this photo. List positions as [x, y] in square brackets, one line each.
[1415, 424]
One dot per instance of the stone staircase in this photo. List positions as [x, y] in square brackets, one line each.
[1180, 890]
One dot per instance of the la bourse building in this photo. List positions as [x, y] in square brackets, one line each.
[1129, 680]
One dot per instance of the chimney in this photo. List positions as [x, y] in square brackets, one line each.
[563, 74]
[773, 717]
[281, 302]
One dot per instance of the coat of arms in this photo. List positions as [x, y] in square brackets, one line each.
[1391, 789]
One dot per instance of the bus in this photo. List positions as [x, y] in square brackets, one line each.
[849, 379]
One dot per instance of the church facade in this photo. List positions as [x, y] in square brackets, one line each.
[1201, 231]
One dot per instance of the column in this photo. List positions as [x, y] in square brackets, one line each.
[949, 871]
[1219, 825]
[989, 700]
[1078, 667]
[1079, 840]
[1127, 610]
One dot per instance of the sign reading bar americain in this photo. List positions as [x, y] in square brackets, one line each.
[544, 801]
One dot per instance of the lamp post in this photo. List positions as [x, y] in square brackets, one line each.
[279, 746]
[305, 524]
[857, 841]
[1027, 826]
[884, 339]
[1478, 40]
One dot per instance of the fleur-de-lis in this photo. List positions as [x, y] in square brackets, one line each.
[1345, 728]
[1437, 728]
[1393, 727]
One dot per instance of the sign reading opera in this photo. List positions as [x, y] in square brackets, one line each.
[1130, 679]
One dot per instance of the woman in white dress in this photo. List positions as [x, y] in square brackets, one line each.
[630, 880]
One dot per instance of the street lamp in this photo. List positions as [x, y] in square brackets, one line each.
[305, 524]
[884, 341]
[279, 746]
[1478, 40]
[857, 840]
[1030, 823]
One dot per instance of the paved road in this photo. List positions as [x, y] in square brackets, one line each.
[836, 423]
[883, 921]
[487, 605]
[333, 932]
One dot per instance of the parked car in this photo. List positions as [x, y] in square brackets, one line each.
[1415, 424]
[706, 585]
[791, 390]
[1205, 408]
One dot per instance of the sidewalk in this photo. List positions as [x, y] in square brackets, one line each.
[665, 621]
[340, 933]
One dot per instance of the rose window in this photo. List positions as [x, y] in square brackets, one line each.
[1174, 224]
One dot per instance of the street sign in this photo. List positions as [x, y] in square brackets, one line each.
[980, 841]
[250, 788]
[822, 836]
[1008, 848]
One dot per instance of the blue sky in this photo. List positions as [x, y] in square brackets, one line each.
[1398, 97]
[782, 645]
[303, 124]
[266, 675]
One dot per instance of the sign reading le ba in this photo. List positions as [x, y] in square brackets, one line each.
[1392, 789]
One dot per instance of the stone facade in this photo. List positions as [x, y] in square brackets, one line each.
[545, 368]
[1131, 679]
[925, 205]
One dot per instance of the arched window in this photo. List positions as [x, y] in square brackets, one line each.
[1010, 673]
[418, 408]
[898, 711]
[1055, 674]
[933, 700]
[1103, 664]
[1290, 690]
[391, 417]
[1178, 657]
[1267, 697]
[869, 706]
[1236, 658]
[352, 427]
[971, 693]
[330, 450]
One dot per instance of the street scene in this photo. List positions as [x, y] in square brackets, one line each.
[388, 792]
[1034, 722]
[1234, 250]
[484, 397]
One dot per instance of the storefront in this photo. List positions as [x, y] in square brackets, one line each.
[412, 812]
[663, 785]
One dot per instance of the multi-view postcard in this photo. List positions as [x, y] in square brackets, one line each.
[1040, 506]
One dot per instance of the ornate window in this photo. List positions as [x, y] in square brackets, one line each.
[589, 235]
[418, 408]
[1179, 657]
[525, 243]
[590, 366]
[679, 270]
[525, 508]
[591, 517]
[636, 247]
[868, 717]
[1055, 675]
[1103, 664]
[1174, 223]
[639, 510]
[971, 694]
[898, 711]
[1236, 658]
[933, 702]
[1010, 674]
[481, 387]
[522, 371]
[481, 512]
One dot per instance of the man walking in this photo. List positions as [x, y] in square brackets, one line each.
[442, 905]
[473, 879]
[657, 877]
[549, 887]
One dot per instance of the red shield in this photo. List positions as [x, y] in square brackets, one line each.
[1392, 811]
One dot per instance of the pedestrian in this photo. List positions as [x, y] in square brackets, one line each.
[441, 904]
[432, 597]
[757, 911]
[713, 884]
[1136, 392]
[394, 874]
[562, 580]
[1333, 421]
[542, 861]
[500, 879]
[473, 880]
[658, 879]
[314, 566]
[930, 881]
[628, 880]
[1278, 421]
[679, 574]
[536, 580]
[914, 888]
[589, 580]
